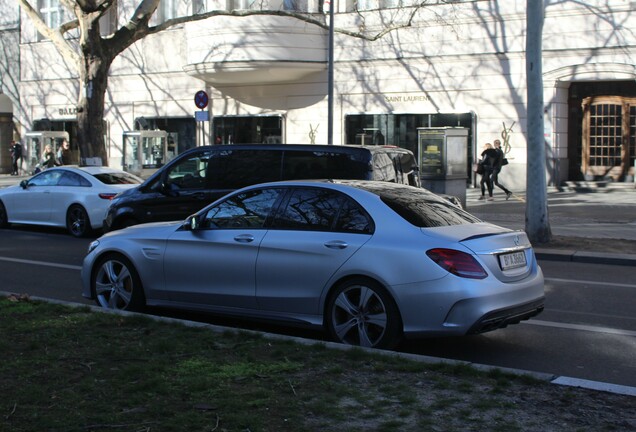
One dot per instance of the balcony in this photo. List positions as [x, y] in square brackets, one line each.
[261, 49]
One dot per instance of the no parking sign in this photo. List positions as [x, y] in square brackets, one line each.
[201, 99]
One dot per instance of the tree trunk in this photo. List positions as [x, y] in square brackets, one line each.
[537, 221]
[90, 115]
[93, 70]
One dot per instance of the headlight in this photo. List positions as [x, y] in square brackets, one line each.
[93, 245]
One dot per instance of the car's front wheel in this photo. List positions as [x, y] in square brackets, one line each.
[116, 284]
[77, 221]
[361, 312]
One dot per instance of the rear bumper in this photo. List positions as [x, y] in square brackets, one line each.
[502, 318]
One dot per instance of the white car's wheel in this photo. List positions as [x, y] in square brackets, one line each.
[77, 221]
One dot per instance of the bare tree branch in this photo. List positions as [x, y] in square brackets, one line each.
[56, 36]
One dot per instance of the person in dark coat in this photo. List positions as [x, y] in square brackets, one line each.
[488, 159]
[16, 157]
[64, 154]
[497, 169]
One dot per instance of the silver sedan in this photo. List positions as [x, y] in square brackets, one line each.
[371, 262]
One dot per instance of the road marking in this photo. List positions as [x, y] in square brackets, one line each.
[42, 263]
[621, 285]
[581, 327]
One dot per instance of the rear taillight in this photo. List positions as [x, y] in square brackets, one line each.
[458, 263]
[107, 196]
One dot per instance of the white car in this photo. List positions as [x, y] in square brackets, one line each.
[68, 196]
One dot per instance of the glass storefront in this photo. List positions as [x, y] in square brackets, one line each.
[247, 129]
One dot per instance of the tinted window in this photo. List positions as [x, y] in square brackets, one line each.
[234, 169]
[322, 210]
[352, 218]
[245, 210]
[423, 210]
[326, 165]
[116, 178]
[73, 179]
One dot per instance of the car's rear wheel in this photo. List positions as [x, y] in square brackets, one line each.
[77, 221]
[116, 284]
[361, 312]
[4, 218]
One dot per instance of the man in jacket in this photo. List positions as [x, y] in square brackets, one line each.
[497, 169]
[16, 156]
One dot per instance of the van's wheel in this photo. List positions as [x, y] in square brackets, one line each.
[77, 221]
[4, 218]
[361, 312]
[116, 284]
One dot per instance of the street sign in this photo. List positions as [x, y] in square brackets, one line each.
[201, 99]
[201, 116]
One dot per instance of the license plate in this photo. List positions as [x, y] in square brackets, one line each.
[512, 260]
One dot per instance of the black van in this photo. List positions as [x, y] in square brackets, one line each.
[200, 175]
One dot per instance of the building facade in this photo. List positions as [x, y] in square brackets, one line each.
[9, 78]
[460, 64]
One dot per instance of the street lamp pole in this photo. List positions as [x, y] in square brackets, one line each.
[330, 76]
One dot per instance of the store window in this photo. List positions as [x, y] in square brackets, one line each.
[400, 129]
[248, 129]
[609, 136]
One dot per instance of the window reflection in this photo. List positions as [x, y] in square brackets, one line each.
[245, 210]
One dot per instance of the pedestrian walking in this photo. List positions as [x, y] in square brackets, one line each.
[64, 154]
[16, 157]
[48, 158]
[499, 162]
[487, 161]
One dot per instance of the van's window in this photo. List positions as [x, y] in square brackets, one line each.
[190, 172]
[234, 169]
[384, 168]
[299, 165]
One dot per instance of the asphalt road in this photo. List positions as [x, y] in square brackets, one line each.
[588, 330]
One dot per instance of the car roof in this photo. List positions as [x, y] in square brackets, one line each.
[380, 188]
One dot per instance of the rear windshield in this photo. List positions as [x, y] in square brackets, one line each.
[116, 178]
[421, 207]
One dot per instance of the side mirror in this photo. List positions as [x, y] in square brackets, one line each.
[192, 223]
[169, 189]
[24, 184]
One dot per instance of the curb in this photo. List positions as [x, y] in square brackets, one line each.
[575, 256]
[540, 376]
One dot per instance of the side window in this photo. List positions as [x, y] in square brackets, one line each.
[383, 168]
[46, 178]
[234, 169]
[354, 219]
[314, 209]
[323, 164]
[73, 179]
[189, 172]
[244, 210]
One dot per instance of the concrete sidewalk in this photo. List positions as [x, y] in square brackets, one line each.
[603, 213]
[606, 213]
